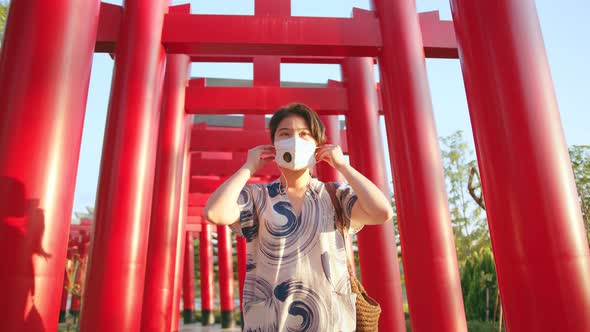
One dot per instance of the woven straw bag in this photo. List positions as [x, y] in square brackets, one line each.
[367, 309]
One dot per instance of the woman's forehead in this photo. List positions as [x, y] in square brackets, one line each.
[293, 122]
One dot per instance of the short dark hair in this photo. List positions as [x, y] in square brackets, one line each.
[318, 132]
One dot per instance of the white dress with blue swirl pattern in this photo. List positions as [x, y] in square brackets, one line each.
[296, 277]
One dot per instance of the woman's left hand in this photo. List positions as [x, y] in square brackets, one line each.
[332, 154]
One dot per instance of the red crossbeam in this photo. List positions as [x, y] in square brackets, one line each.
[197, 199]
[193, 225]
[271, 35]
[220, 139]
[438, 36]
[283, 59]
[226, 140]
[195, 210]
[329, 39]
[109, 22]
[263, 100]
[202, 165]
[208, 184]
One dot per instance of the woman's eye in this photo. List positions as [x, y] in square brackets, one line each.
[284, 134]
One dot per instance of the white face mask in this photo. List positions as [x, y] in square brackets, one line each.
[295, 153]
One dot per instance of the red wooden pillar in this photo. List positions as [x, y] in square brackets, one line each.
[42, 106]
[159, 282]
[431, 271]
[377, 250]
[206, 273]
[179, 262]
[242, 261]
[178, 274]
[64, 300]
[114, 296]
[226, 276]
[75, 302]
[327, 173]
[188, 279]
[540, 247]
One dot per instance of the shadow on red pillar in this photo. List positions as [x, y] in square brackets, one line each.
[377, 251]
[159, 282]
[180, 245]
[431, 271]
[42, 107]
[206, 269]
[114, 296]
[538, 237]
[226, 276]
[188, 279]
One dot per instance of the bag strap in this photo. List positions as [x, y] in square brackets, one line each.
[340, 224]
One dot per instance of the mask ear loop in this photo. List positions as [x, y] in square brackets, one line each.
[286, 182]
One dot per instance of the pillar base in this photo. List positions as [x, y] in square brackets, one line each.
[207, 317]
[227, 320]
[188, 316]
[62, 316]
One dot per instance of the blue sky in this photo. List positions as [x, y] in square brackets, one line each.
[565, 28]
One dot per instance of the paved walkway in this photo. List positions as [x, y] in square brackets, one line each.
[198, 328]
[183, 328]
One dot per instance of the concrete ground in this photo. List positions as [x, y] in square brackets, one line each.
[198, 328]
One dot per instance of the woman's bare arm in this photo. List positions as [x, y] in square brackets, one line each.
[222, 206]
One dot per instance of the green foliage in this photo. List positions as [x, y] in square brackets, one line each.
[3, 16]
[482, 326]
[479, 285]
[467, 217]
[580, 157]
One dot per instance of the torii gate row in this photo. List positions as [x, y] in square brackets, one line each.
[519, 141]
[271, 98]
[330, 100]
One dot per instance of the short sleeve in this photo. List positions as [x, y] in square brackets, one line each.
[347, 198]
[247, 224]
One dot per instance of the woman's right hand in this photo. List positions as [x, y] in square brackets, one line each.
[259, 156]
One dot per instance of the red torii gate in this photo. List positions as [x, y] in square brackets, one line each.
[519, 141]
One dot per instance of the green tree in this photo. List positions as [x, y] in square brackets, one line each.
[469, 222]
[580, 157]
[3, 16]
[479, 284]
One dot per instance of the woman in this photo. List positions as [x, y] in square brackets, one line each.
[296, 277]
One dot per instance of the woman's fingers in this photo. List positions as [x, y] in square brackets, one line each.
[325, 155]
